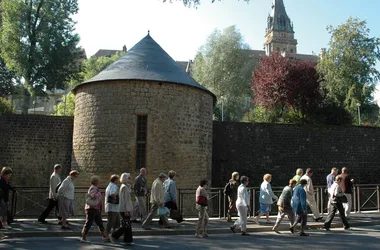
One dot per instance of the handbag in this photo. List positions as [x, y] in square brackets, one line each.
[201, 200]
[175, 214]
[341, 199]
[113, 200]
[126, 224]
[163, 211]
[90, 201]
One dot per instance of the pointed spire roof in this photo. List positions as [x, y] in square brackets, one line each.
[280, 19]
[146, 61]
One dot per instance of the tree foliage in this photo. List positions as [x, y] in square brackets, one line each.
[7, 77]
[91, 67]
[38, 43]
[283, 84]
[7, 80]
[224, 66]
[6, 106]
[348, 67]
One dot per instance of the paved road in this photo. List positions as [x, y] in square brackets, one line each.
[358, 238]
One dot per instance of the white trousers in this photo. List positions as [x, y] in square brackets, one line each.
[329, 205]
[348, 206]
[242, 221]
[313, 206]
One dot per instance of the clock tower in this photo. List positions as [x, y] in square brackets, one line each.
[279, 35]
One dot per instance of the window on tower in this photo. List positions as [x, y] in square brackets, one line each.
[141, 141]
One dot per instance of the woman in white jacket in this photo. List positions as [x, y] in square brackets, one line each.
[242, 205]
[125, 209]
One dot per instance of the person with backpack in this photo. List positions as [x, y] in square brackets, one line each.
[230, 190]
[55, 179]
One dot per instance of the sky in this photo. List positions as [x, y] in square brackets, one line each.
[110, 24]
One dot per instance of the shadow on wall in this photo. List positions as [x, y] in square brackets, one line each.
[254, 149]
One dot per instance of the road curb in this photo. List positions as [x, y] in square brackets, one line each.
[167, 232]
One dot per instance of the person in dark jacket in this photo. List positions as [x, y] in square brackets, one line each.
[346, 185]
[231, 191]
[6, 174]
[299, 206]
[140, 188]
[285, 207]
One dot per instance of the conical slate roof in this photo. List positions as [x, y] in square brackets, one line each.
[149, 62]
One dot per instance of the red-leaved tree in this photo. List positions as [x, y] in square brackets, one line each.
[285, 83]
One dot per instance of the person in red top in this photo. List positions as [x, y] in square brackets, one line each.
[346, 185]
[93, 213]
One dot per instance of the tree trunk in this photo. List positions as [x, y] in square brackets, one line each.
[25, 102]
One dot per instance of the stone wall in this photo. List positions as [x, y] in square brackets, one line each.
[256, 149]
[32, 144]
[179, 130]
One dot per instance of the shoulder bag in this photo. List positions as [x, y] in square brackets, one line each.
[340, 199]
[113, 200]
[201, 200]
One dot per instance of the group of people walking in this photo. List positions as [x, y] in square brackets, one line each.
[117, 203]
[122, 211]
[293, 200]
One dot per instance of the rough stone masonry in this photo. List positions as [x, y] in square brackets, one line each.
[179, 129]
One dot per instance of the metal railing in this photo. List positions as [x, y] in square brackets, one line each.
[29, 202]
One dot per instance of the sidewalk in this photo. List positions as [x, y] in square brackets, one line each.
[31, 228]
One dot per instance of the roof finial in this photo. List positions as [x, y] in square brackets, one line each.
[148, 32]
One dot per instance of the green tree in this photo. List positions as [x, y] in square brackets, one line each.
[348, 67]
[224, 65]
[38, 42]
[6, 106]
[7, 80]
[91, 67]
[7, 77]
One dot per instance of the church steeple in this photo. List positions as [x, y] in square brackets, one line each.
[280, 19]
[279, 32]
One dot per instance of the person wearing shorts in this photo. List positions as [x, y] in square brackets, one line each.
[266, 198]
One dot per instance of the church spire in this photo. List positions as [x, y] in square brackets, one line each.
[279, 19]
[279, 35]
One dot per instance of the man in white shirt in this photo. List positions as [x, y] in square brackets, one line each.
[157, 201]
[336, 196]
[310, 194]
[55, 179]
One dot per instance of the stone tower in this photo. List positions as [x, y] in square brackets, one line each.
[279, 35]
[143, 110]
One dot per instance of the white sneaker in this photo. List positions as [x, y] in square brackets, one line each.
[256, 220]
[84, 241]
